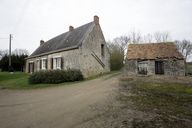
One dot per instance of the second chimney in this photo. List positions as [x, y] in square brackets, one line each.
[96, 19]
[41, 42]
[71, 28]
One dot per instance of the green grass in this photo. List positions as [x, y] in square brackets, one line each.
[19, 80]
[168, 88]
[15, 80]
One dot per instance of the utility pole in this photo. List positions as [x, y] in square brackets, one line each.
[10, 38]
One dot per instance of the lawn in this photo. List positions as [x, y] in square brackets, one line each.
[19, 80]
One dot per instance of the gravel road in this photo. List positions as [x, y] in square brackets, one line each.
[55, 107]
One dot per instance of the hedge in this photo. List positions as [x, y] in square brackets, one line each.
[55, 76]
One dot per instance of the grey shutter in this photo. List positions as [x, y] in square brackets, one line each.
[51, 63]
[40, 66]
[46, 64]
[61, 63]
[28, 67]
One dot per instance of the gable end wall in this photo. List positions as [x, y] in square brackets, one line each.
[92, 45]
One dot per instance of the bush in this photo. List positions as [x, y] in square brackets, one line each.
[55, 76]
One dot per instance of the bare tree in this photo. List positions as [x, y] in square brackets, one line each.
[135, 37]
[116, 55]
[161, 36]
[3, 53]
[122, 42]
[185, 47]
[148, 38]
[20, 52]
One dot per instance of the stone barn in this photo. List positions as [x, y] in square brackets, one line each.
[82, 48]
[154, 59]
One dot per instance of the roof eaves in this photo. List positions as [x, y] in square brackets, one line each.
[55, 51]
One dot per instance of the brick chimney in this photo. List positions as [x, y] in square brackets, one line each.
[96, 19]
[71, 28]
[41, 42]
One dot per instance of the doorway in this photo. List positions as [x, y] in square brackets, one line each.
[31, 67]
[159, 67]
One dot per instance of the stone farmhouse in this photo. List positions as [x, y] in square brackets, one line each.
[82, 48]
[154, 59]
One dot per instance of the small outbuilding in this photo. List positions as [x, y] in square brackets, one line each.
[154, 59]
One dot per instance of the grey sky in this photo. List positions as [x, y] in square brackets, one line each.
[32, 20]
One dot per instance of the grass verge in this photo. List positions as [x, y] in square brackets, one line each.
[19, 80]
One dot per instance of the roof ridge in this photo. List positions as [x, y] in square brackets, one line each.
[152, 43]
[69, 31]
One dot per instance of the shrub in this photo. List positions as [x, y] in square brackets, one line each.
[55, 76]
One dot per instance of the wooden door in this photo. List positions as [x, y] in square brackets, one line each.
[159, 67]
[31, 67]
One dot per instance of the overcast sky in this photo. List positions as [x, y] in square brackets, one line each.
[32, 20]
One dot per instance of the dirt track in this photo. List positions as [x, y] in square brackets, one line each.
[55, 107]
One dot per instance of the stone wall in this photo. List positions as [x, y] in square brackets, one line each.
[130, 67]
[171, 67]
[174, 67]
[70, 59]
[92, 45]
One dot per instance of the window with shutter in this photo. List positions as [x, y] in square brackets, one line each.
[44, 64]
[51, 63]
[57, 63]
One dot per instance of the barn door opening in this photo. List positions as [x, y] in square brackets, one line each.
[159, 67]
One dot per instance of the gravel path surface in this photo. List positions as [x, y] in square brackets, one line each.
[55, 107]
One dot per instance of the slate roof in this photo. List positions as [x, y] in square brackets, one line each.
[153, 51]
[67, 40]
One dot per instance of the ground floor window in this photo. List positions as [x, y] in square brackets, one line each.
[142, 67]
[44, 64]
[57, 63]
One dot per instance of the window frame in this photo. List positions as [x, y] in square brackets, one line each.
[44, 63]
[57, 63]
[102, 50]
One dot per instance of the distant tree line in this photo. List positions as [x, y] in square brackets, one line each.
[17, 60]
[119, 45]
